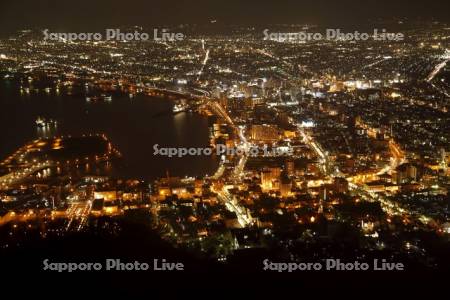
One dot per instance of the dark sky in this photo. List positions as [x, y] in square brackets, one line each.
[94, 14]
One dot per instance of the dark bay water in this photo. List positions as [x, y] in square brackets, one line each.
[132, 125]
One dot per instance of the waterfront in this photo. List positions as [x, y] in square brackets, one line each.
[133, 125]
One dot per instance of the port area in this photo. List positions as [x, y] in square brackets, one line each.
[44, 158]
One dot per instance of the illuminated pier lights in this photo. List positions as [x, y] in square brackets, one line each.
[12, 178]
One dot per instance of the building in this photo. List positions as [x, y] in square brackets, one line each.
[270, 178]
[265, 133]
[340, 185]
[289, 167]
[405, 173]
[285, 186]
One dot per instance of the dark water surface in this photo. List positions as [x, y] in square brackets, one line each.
[134, 126]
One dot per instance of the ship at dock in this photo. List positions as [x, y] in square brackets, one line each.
[101, 98]
[178, 108]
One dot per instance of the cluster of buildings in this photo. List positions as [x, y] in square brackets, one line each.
[352, 139]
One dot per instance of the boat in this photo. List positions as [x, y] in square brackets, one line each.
[106, 97]
[178, 108]
[41, 122]
[102, 97]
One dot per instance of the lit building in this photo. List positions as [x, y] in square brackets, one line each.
[106, 195]
[265, 133]
[270, 178]
[289, 167]
[285, 186]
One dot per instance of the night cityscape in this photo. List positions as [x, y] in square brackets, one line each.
[244, 140]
